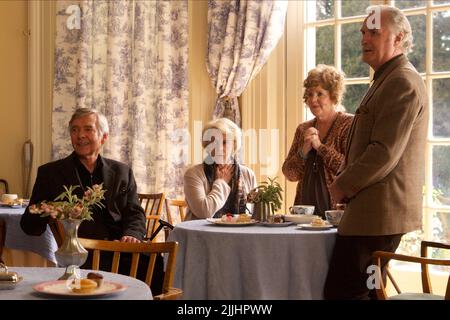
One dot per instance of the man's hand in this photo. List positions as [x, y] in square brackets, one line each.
[337, 194]
[129, 239]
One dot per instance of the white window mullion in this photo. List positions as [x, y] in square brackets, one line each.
[337, 35]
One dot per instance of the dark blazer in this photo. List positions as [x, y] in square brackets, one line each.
[383, 170]
[125, 216]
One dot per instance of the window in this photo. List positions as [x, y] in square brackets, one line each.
[332, 27]
[332, 37]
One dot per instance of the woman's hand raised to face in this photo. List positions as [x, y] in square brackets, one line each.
[225, 172]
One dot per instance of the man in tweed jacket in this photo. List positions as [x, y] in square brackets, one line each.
[382, 176]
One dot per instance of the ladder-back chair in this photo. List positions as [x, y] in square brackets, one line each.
[151, 249]
[424, 261]
[152, 204]
[179, 205]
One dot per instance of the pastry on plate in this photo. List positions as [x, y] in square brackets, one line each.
[97, 277]
[318, 222]
[83, 286]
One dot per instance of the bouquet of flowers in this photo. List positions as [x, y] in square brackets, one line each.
[68, 206]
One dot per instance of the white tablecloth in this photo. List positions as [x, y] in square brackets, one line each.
[44, 245]
[136, 289]
[251, 262]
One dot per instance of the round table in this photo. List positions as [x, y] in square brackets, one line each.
[251, 262]
[136, 289]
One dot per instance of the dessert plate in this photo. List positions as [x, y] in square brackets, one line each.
[277, 224]
[59, 288]
[299, 218]
[308, 226]
[231, 224]
[9, 205]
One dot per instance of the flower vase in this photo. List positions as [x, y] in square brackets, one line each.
[71, 252]
[261, 212]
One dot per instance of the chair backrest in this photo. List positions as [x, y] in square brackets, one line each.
[179, 205]
[151, 249]
[380, 256]
[2, 237]
[152, 204]
[3, 186]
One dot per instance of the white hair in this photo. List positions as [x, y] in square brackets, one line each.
[398, 22]
[226, 127]
[101, 123]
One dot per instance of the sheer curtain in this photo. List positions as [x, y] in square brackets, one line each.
[127, 59]
[242, 34]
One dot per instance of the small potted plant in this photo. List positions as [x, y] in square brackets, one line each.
[267, 199]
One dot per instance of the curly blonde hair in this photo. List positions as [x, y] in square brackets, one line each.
[329, 78]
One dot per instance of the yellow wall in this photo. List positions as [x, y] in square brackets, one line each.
[201, 92]
[13, 90]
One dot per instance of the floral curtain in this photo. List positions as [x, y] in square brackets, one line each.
[128, 59]
[242, 34]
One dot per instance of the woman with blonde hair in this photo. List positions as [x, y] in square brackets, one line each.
[319, 144]
[220, 184]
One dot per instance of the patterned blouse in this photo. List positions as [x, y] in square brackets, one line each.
[332, 153]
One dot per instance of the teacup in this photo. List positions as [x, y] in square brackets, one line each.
[302, 209]
[334, 216]
[9, 198]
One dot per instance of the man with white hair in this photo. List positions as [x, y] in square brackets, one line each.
[382, 177]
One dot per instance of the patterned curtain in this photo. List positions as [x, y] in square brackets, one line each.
[128, 59]
[241, 36]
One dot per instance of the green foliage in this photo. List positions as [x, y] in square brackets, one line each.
[354, 7]
[353, 96]
[441, 169]
[441, 108]
[325, 45]
[324, 9]
[352, 64]
[269, 192]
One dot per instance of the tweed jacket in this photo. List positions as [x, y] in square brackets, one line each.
[126, 214]
[382, 174]
[332, 153]
[205, 200]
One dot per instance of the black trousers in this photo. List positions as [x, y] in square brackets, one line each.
[347, 274]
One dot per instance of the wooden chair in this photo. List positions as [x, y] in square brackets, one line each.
[3, 186]
[169, 248]
[2, 237]
[57, 230]
[152, 204]
[181, 206]
[424, 261]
